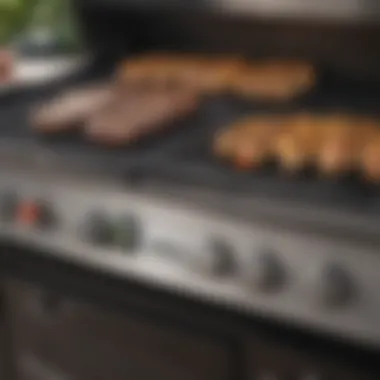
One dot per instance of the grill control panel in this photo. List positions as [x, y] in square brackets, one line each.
[330, 285]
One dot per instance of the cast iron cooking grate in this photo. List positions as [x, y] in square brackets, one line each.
[182, 155]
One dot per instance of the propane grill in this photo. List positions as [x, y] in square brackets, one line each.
[301, 249]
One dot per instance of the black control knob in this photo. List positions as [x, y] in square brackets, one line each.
[217, 258]
[128, 232]
[9, 201]
[336, 286]
[98, 229]
[265, 271]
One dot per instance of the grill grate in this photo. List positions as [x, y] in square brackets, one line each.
[182, 154]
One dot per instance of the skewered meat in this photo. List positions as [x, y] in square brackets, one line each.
[218, 75]
[249, 142]
[275, 80]
[270, 80]
[255, 147]
[140, 70]
[296, 147]
[226, 141]
[340, 147]
[128, 120]
[195, 73]
[334, 144]
[370, 158]
[70, 109]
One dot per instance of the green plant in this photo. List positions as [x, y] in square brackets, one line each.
[14, 15]
[22, 16]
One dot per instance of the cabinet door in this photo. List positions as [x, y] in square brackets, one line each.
[266, 359]
[81, 342]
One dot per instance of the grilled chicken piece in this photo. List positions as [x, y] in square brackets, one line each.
[70, 110]
[370, 157]
[343, 143]
[255, 146]
[218, 75]
[141, 70]
[249, 142]
[226, 141]
[297, 146]
[128, 120]
[275, 80]
[195, 73]
[160, 71]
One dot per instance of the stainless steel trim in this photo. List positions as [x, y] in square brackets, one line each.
[189, 227]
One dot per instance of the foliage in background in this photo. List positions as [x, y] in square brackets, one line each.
[21, 17]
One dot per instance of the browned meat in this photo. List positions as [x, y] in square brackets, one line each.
[131, 119]
[334, 144]
[70, 110]
[338, 152]
[194, 73]
[255, 146]
[370, 157]
[249, 142]
[275, 81]
[297, 146]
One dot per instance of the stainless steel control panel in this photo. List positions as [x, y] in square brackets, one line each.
[331, 285]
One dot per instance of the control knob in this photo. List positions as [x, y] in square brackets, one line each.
[265, 271]
[335, 287]
[127, 232]
[217, 259]
[97, 229]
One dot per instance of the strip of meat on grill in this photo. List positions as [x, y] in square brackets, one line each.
[296, 148]
[370, 156]
[70, 109]
[249, 143]
[205, 75]
[343, 141]
[275, 80]
[133, 117]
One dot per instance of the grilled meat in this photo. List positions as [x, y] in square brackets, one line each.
[132, 118]
[268, 80]
[333, 144]
[275, 81]
[248, 143]
[370, 157]
[70, 109]
[340, 147]
[195, 73]
[297, 146]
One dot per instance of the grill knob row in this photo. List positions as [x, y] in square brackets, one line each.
[265, 272]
